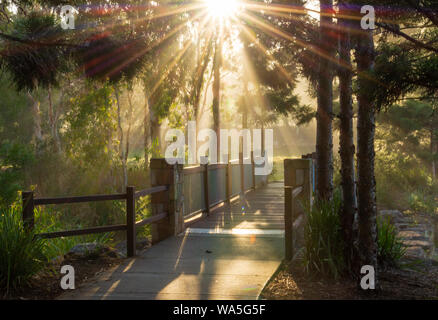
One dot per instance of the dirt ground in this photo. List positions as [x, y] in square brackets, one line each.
[414, 280]
[46, 284]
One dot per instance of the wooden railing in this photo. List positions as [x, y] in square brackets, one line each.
[202, 195]
[298, 180]
[29, 203]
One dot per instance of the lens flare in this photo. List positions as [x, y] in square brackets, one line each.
[222, 8]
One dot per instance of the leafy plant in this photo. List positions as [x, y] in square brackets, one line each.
[21, 252]
[323, 252]
[49, 221]
[390, 247]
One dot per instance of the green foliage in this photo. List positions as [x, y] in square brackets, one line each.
[47, 220]
[30, 63]
[323, 244]
[92, 124]
[422, 201]
[21, 253]
[108, 58]
[390, 247]
[404, 156]
[13, 158]
[16, 151]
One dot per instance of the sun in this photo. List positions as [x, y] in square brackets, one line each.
[222, 8]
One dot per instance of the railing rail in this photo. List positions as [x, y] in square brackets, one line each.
[205, 169]
[79, 199]
[29, 203]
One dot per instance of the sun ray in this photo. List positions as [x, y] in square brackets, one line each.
[161, 40]
[176, 59]
[265, 26]
[265, 51]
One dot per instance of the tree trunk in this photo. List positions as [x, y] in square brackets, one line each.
[199, 81]
[434, 142]
[37, 131]
[128, 137]
[122, 155]
[154, 126]
[53, 122]
[324, 135]
[146, 129]
[202, 63]
[346, 149]
[434, 150]
[217, 61]
[367, 211]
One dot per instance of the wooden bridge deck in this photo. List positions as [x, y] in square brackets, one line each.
[259, 209]
[230, 254]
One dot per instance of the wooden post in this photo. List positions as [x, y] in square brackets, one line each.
[228, 186]
[242, 173]
[288, 223]
[296, 173]
[253, 170]
[28, 209]
[170, 201]
[130, 221]
[206, 197]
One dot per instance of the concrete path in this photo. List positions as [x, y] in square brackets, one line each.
[211, 260]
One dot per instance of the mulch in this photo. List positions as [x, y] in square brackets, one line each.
[46, 284]
[414, 280]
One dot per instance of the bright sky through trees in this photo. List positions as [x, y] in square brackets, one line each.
[223, 8]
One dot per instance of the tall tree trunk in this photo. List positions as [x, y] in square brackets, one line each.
[146, 129]
[199, 80]
[324, 134]
[128, 136]
[217, 62]
[434, 151]
[202, 62]
[154, 126]
[367, 211]
[122, 155]
[35, 105]
[434, 142]
[346, 144]
[53, 121]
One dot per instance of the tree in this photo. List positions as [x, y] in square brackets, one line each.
[367, 210]
[217, 63]
[346, 143]
[324, 135]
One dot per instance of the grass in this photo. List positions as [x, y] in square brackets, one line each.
[47, 220]
[22, 254]
[390, 246]
[323, 245]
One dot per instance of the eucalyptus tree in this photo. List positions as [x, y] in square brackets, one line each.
[324, 132]
[366, 186]
[346, 142]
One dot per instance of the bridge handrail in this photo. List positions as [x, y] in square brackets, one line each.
[298, 194]
[201, 209]
[29, 203]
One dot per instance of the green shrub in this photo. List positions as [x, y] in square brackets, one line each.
[390, 247]
[423, 202]
[48, 220]
[21, 253]
[323, 239]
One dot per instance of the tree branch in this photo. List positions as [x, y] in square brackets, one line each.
[407, 37]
